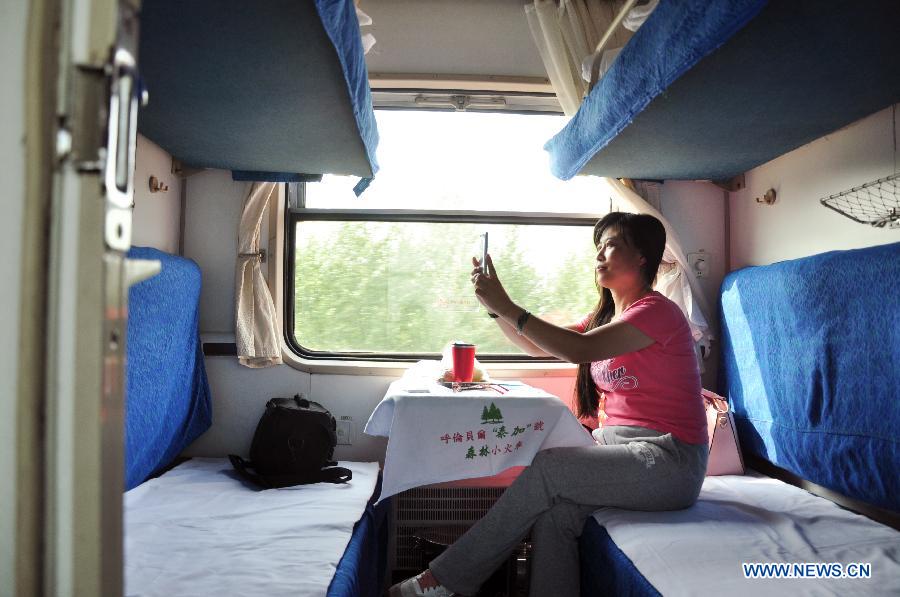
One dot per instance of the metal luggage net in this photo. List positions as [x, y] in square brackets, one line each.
[876, 203]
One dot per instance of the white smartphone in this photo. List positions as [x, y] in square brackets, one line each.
[484, 252]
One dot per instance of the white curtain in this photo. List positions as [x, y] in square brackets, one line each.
[675, 279]
[255, 320]
[368, 40]
[566, 35]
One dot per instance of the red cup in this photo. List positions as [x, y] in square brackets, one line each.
[463, 361]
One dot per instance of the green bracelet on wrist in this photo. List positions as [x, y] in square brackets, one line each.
[493, 315]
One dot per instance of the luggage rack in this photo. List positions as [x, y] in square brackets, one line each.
[875, 203]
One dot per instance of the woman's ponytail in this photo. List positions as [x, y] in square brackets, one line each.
[587, 398]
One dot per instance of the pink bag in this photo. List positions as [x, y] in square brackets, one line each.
[724, 449]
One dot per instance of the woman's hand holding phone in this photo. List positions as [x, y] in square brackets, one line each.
[488, 289]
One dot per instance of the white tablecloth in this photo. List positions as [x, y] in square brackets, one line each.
[436, 435]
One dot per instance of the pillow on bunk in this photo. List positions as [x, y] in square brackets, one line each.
[167, 400]
[809, 351]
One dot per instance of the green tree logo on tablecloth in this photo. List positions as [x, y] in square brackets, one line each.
[491, 414]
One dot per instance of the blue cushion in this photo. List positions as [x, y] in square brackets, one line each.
[167, 403]
[809, 361]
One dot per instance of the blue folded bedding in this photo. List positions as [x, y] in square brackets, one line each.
[809, 361]
[342, 27]
[677, 35]
[167, 403]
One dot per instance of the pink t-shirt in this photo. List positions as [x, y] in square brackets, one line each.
[657, 387]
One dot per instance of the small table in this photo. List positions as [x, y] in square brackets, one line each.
[437, 435]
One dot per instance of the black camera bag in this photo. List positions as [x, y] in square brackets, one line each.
[293, 445]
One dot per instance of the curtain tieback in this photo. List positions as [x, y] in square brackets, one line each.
[261, 255]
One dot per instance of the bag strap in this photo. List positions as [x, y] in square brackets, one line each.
[337, 474]
[269, 481]
[717, 402]
[243, 468]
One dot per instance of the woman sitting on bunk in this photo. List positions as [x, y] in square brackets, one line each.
[636, 348]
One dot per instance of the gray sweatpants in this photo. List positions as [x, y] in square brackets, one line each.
[636, 469]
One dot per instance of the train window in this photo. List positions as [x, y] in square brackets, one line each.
[471, 161]
[386, 276]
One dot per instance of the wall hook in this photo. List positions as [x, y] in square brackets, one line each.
[156, 186]
[768, 198]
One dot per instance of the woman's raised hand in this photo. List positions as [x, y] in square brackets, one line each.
[488, 289]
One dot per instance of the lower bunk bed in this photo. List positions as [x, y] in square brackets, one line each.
[200, 529]
[807, 353]
[739, 530]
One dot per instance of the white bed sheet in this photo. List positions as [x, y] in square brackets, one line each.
[199, 530]
[699, 551]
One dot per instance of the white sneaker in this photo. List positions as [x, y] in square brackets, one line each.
[411, 588]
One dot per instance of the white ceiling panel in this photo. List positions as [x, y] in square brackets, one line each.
[452, 37]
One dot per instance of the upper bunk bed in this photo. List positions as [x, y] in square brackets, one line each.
[272, 90]
[708, 90]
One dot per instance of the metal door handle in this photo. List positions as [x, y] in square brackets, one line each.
[122, 130]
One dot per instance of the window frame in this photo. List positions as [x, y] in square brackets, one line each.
[447, 99]
[296, 214]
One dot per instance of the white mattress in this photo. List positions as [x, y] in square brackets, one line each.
[199, 530]
[699, 551]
